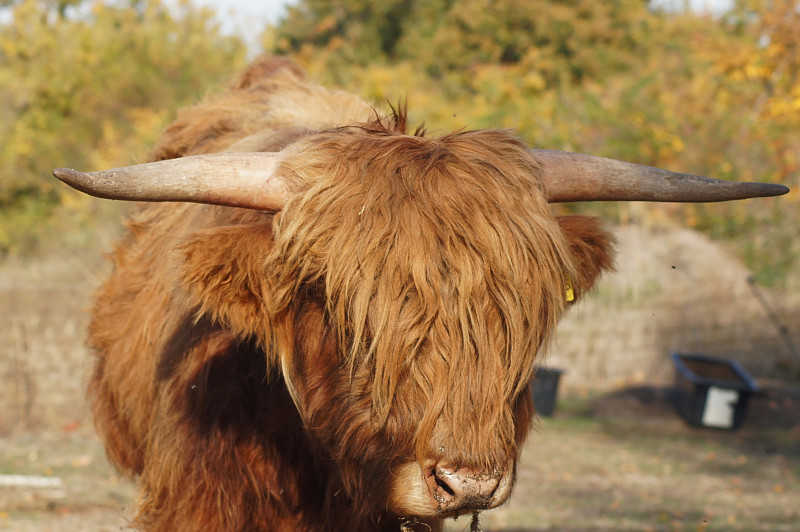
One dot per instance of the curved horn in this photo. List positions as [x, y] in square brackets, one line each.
[233, 179]
[577, 177]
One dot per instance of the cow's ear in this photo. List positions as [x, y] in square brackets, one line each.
[592, 248]
[223, 269]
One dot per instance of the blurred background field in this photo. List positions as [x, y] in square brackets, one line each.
[90, 84]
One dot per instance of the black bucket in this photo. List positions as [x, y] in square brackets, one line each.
[544, 389]
[711, 392]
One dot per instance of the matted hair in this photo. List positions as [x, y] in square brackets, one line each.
[441, 267]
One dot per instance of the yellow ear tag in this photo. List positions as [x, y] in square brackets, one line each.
[570, 293]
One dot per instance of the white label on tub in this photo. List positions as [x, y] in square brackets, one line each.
[720, 407]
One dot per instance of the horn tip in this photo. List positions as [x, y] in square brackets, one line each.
[62, 173]
[78, 180]
[67, 175]
[773, 189]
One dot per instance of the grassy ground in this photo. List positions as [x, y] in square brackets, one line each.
[91, 497]
[617, 462]
[611, 461]
[627, 462]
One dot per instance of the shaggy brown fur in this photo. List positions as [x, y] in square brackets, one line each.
[266, 371]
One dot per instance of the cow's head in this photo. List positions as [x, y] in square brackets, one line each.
[404, 288]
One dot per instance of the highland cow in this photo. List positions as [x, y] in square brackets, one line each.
[332, 323]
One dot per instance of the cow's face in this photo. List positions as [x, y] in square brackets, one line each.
[404, 294]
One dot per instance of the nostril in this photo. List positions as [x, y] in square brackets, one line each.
[444, 486]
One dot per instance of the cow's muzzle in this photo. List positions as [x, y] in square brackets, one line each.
[462, 488]
[442, 490]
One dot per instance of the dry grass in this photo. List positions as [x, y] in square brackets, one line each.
[615, 462]
[42, 328]
[625, 461]
[92, 497]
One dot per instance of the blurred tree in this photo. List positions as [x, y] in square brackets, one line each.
[362, 30]
[563, 41]
[89, 84]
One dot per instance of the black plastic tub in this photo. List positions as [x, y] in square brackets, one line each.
[710, 391]
[544, 389]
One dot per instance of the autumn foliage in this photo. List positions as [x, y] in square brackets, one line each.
[90, 85]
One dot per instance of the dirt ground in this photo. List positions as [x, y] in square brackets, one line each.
[90, 497]
[626, 461]
[616, 462]
[615, 457]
